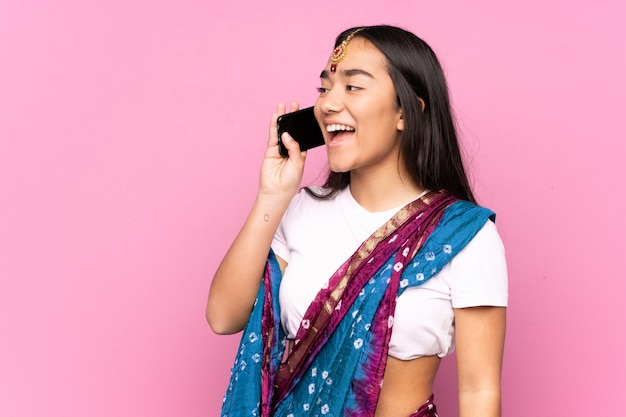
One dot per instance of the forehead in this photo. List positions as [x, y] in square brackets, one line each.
[362, 54]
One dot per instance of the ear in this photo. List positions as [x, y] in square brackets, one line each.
[400, 123]
[422, 103]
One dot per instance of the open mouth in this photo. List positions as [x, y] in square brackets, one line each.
[335, 130]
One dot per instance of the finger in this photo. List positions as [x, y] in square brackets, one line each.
[273, 134]
[281, 109]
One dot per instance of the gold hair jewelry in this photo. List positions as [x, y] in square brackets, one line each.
[340, 52]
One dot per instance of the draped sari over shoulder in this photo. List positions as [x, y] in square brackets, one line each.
[337, 362]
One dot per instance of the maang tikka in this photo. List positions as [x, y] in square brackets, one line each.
[340, 52]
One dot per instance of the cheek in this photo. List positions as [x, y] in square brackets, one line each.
[318, 116]
[317, 110]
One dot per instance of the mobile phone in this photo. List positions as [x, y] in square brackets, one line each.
[303, 128]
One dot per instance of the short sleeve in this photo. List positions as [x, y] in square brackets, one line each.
[478, 274]
[279, 243]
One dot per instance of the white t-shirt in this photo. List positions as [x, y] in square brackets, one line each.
[317, 236]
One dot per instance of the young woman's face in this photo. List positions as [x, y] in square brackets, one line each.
[358, 113]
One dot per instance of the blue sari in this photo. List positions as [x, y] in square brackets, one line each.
[336, 365]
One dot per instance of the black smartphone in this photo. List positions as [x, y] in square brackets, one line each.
[303, 128]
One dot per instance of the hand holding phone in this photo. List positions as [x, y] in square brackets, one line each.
[303, 128]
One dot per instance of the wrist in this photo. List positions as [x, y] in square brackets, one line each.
[278, 200]
[271, 207]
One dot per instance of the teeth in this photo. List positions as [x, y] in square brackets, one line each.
[338, 127]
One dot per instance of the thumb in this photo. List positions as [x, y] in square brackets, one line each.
[293, 147]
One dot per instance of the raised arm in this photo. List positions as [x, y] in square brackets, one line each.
[238, 277]
[479, 349]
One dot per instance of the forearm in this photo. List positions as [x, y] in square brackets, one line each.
[480, 345]
[237, 279]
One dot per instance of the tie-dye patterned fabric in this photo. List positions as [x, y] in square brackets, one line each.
[336, 365]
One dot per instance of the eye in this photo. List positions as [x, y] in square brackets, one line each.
[353, 88]
[322, 90]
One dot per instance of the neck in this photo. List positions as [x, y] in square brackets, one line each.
[383, 189]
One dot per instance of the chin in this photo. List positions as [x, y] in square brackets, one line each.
[339, 168]
[339, 163]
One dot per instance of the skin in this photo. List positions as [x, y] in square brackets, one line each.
[360, 97]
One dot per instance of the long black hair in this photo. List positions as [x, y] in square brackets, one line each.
[429, 146]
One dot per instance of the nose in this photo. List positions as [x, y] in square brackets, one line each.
[331, 101]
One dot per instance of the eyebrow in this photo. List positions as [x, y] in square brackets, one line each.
[347, 73]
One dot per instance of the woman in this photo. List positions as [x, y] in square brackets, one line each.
[380, 273]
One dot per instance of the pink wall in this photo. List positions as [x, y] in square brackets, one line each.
[131, 134]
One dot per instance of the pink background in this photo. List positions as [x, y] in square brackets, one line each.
[131, 134]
